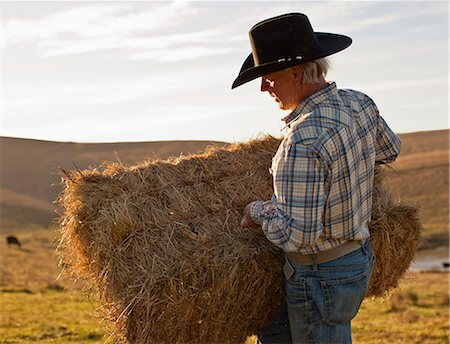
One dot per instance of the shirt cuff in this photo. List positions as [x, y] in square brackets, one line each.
[256, 209]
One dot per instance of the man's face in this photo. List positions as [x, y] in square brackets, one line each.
[282, 85]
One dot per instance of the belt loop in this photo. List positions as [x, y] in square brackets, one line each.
[314, 259]
[363, 246]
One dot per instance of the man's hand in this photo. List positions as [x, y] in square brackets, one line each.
[247, 221]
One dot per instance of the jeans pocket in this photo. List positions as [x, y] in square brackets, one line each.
[343, 297]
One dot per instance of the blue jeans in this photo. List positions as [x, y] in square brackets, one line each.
[321, 300]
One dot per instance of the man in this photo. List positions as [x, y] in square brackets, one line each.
[323, 177]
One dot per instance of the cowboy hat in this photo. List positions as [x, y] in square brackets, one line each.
[286, 41]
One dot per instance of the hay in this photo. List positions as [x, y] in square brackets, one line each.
[162, 245]
[395, 232]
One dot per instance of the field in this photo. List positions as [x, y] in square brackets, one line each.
[48, 316]
[420, 176]
[36, 307]
[29, 185]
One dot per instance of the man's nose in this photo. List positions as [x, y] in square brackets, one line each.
[264, 85]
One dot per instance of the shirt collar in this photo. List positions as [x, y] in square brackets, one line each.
[311, 102]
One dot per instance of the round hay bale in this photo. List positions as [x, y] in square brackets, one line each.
[162, 245]
[395, 232]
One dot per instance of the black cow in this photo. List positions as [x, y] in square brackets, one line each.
[12, 240]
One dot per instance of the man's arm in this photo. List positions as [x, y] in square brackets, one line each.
[387, 146]
[293, 218]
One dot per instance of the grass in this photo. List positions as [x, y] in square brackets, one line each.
[38, 307]
[34, 267]
[417, 312]
[421, 177]
[48, 316]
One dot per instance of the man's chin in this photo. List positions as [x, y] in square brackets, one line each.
[280, 105]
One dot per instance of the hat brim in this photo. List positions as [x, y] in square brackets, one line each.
[329, 43]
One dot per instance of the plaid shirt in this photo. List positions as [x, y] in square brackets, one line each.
[323, 172]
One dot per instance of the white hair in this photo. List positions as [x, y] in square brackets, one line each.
[313, 71]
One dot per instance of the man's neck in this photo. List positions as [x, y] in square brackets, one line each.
[307, 90]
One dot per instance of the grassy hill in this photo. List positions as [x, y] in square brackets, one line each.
[29, 175]
[421, 177]
[29, 172]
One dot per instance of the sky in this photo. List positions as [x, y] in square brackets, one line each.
[86, 71]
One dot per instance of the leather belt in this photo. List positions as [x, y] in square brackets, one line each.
[326, 256]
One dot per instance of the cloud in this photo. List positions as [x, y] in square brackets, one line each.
[152, 123]
[85, 69]
[354, 17]
[152, 88]
[154, 31]
[179, 54]
[157, 31]
[159, 48]
[98, 27]
[391, 85]
[97, 20]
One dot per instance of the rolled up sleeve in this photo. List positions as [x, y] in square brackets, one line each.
[387, 147]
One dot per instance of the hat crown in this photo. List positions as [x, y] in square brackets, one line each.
[288, 36]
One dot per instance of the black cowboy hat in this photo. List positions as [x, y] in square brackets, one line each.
[286, 41]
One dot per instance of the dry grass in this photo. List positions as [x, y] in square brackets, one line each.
[30, 176]
[48, 316]
[416, 312]
[400, 300]
[161, 242]
[421, 177]
[34, 267]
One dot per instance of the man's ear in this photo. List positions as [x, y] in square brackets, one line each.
[297, 72]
